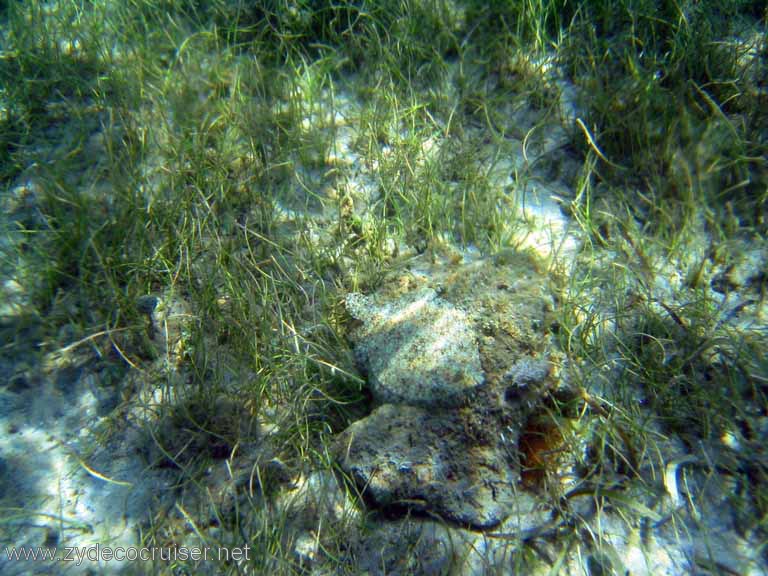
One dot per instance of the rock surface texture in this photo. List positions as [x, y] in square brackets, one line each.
[418, 350]
[457, 357]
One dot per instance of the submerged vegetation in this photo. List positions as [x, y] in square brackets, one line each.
[191, 189]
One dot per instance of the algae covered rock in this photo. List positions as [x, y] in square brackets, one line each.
[457, 359]
[411, 458]
[418, 349]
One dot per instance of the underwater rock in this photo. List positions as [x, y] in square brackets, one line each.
[410, 458]
[418, 350]
[456, 377]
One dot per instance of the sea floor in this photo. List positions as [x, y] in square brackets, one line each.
[483, 445]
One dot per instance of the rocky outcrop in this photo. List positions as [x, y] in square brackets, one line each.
[408, 458]
[455, 379]
[418, 350]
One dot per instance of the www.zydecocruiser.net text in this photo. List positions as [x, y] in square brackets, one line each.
[99, 553]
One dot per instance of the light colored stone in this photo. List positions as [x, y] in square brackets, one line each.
[456, 376]
[418, 349]
[411, 458]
